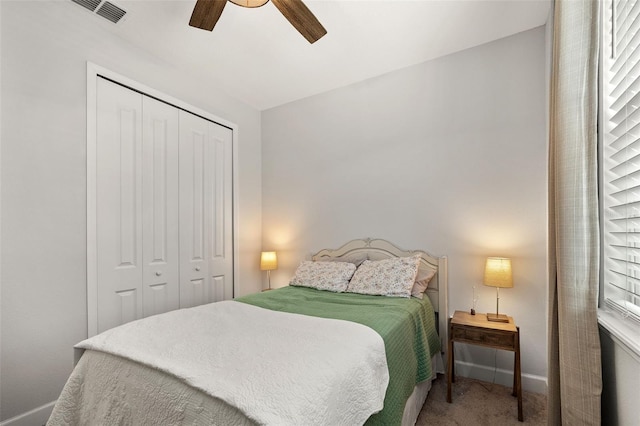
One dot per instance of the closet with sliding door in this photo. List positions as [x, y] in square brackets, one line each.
[160, 233]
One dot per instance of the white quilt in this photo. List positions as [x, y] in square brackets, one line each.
[275, 367]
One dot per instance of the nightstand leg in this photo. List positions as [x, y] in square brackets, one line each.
[453, 365]
[517, 379]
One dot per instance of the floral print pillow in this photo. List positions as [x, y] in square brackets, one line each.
[331, 276]
[387, 277]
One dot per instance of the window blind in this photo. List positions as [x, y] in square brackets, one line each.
[621, 156]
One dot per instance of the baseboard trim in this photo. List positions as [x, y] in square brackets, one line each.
[530, 382]
[37, 416]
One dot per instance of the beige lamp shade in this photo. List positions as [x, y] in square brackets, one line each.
[268, 261]
[497, 272]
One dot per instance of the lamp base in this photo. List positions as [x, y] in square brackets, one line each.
[497, 318]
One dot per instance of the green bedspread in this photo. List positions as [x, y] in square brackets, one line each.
[407, 327]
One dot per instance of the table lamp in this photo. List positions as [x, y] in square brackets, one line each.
[268, 262]
[497, 273]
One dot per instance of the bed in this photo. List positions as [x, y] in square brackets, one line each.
[295, 355]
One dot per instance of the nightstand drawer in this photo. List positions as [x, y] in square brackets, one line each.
[494, 338]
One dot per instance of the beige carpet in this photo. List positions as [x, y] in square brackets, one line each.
[480, 403]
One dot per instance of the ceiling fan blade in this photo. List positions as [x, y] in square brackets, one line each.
[301, 18]
[206, 13]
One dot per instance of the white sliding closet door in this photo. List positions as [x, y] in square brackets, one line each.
[206, 263]
[160, 224]
[119, 205]
[164, 226]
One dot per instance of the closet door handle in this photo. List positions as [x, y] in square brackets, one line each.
[197, 268]
[158, 273]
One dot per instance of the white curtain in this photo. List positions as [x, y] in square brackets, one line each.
[575, 378]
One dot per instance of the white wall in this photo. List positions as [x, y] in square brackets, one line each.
[1, 64]
[620, 378]
[447, 156]
[43, 174]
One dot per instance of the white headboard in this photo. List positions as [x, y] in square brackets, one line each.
[376, 249]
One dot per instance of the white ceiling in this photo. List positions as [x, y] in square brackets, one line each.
[258, 57]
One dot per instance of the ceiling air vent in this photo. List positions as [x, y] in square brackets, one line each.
[111, 12]
[107, 9]
[89, 4]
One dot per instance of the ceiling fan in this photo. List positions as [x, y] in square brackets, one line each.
[207, 12]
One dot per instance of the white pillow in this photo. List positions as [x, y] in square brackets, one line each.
[331, 276]
[425, 274]
[387, 277]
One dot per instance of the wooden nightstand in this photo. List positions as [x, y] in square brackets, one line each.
[477, 330]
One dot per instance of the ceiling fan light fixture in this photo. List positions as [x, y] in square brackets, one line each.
[207, 12]
[249, 3]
